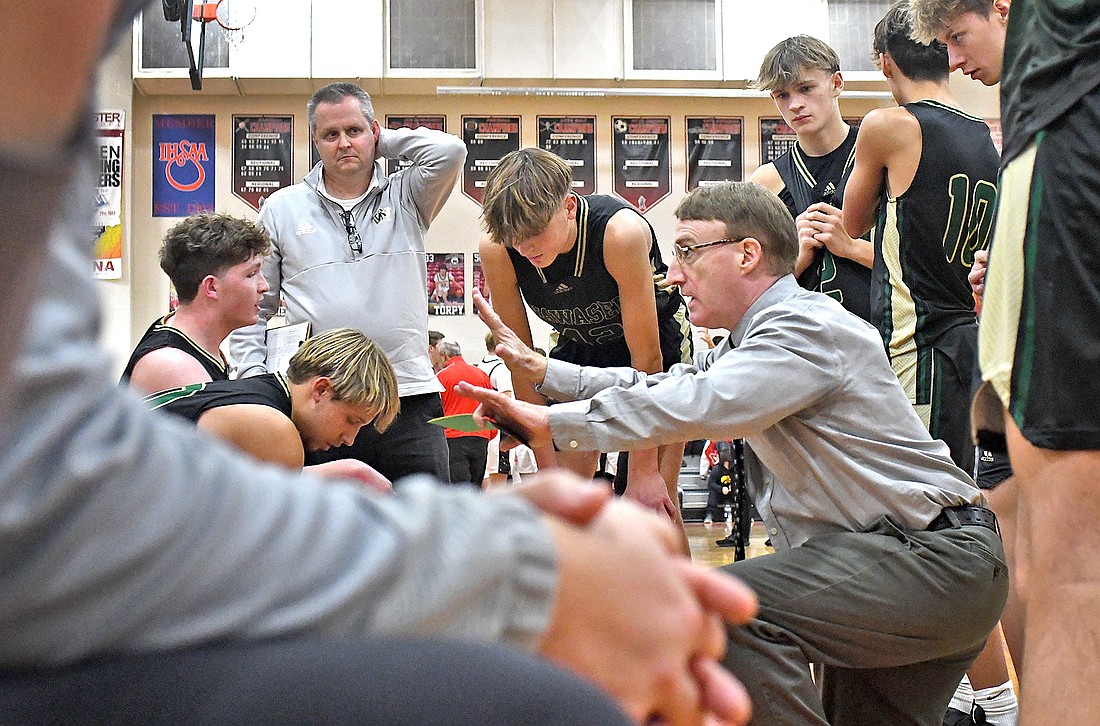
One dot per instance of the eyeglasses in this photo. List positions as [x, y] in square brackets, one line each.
[354, 240]
[684, 254]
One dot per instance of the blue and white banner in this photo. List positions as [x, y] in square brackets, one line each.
[183, 164]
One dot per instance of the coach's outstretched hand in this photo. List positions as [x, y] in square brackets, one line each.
[518, 421]
[520, 359]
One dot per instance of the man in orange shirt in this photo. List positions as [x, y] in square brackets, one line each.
[468, 449]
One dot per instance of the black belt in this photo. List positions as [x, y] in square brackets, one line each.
[963, 516]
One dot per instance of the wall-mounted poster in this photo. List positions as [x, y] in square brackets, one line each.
[642, 161]
[262, 157]
[714, 150]
[776, 138]
[487, 138]
[994, 125]
[436, 123]
[573, 138]
[479, 275]
[107, 222]
[446, 283]
[314, 157]
[183, 164]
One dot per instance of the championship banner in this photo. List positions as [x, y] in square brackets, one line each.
[714, 150]
[435, 123]
[641, 159]
[263, 149]
[107, 222]
[183, 164]
[487, 139]
[446, 283]
[479, 275]
[776, 138]
[573, 138]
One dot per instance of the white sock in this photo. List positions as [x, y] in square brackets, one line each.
[999, 703]
[963, 700]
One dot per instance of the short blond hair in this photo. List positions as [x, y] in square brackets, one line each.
[789, 58]
[523, 193]
[930, 17]
[359, 371]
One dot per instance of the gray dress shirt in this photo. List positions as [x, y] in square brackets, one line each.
[836, 442]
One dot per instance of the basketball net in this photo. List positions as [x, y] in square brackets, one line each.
[234, 16]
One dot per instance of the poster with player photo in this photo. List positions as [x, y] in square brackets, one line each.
[573, 138]
[262, 157]
[642, 161]
[488, 139]
[479, 275]
[446, 283]
[436, 123]
[714, 150]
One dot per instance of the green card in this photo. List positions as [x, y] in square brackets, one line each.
[461, 422]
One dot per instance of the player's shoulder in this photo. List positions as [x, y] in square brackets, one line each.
[767, 176]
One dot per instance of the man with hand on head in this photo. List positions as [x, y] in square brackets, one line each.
[349, 251]
[213, 261]
[888, 567]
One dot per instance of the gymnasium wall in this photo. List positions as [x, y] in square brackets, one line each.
[142, 292]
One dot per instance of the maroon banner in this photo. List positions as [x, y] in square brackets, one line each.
[436, 123]
[262, 157]
[446, 283]
[488, 139]
[642, 161]
[573, 138]
[715, 148]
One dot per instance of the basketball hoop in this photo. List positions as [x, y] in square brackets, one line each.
[234, 16]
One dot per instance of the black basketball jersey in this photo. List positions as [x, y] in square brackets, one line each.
[161, 335]
[578, 296]
[808, 180]
[926, 238]
[191, 402]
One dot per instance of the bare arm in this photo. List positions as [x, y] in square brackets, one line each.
[876, 147]
[261, 431]
[768, 177]
[627, 243]
[166, 368]
[500, 277]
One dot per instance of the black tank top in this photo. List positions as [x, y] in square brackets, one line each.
[808, 180]
[577, 295]
[191, 402]
[161, 335]
[925, 239]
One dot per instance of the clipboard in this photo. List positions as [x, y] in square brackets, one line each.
[282, 342]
